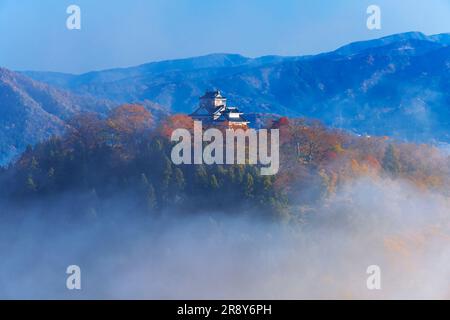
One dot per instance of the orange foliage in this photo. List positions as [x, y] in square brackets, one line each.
[130, 118]
[178, 121]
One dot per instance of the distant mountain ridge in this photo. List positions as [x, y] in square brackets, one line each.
[220, 61]
[397, 85]
[31, 111]
[357, 47]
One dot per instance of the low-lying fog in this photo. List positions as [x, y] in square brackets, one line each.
[403, 230]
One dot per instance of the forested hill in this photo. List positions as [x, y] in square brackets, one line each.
[123, 161]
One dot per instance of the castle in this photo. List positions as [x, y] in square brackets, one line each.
[213, 111]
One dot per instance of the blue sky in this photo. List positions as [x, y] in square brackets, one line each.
[118, 33]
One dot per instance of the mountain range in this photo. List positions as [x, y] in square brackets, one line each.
[31, 111]
[397, 86]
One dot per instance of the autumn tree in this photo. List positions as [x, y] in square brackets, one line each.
[128, 125]
[178, 121]
[87, 130]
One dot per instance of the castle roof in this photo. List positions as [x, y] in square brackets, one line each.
[212, 95]
[238, 119]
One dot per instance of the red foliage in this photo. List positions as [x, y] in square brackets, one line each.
[282, 122]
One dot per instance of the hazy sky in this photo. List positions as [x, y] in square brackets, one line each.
[117, 33]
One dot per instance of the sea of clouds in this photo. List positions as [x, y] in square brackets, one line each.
[392, 224]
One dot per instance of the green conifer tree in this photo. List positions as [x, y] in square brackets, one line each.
[391, 162]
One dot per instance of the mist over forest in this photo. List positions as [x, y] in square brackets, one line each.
[106, 196]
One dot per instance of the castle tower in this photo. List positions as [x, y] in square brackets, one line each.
[212, 100]
[213, 111]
